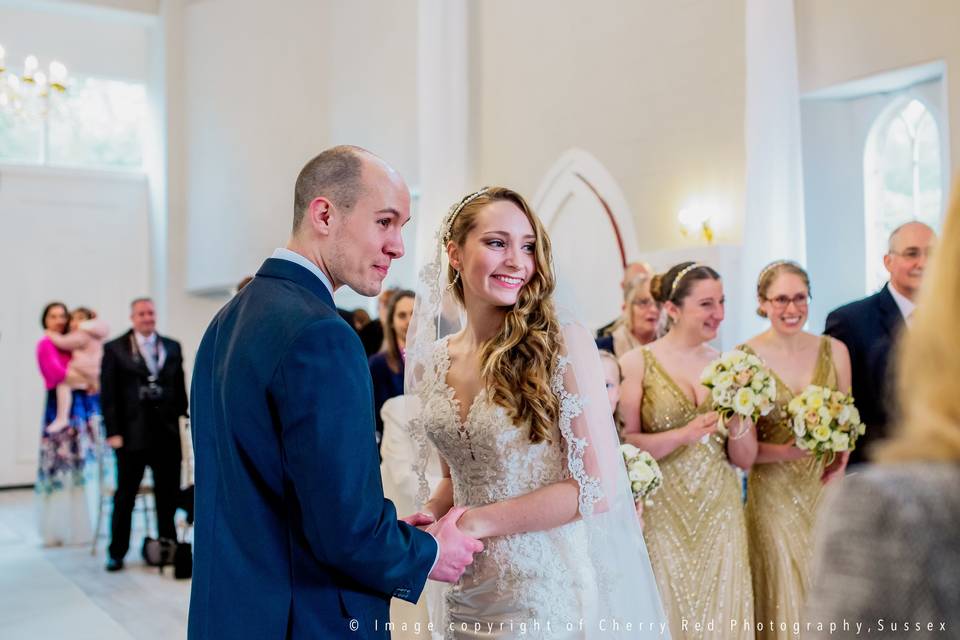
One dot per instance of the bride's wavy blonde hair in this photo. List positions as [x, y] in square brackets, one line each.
[928, 361]
[517, 364]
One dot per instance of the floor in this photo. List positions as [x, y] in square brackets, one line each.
[64, 592]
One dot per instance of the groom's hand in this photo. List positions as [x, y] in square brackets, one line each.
[419, 519]
[456, 548]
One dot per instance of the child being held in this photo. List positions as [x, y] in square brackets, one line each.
[85, 344]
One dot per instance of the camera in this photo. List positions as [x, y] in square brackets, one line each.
[151, 391]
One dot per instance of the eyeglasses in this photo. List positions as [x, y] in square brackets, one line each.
[800, 301]
[914, 253]
[643, 303]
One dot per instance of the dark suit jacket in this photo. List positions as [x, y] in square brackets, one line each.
[293, 537]
[122, 373]
[869, 327]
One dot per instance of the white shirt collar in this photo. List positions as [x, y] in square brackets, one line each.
[293, 256]
[142, 340]
[905, 304]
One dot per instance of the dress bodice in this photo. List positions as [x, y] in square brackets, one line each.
[775, 426]
[490, 458]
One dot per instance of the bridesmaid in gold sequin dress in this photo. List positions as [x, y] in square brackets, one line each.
[695, 531]
[786, 483]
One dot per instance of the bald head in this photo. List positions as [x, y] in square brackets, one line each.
[910, 234]
[335, 174]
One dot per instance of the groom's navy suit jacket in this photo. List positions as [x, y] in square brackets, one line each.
[293, 537]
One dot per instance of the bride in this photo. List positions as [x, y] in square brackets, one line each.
[515, 404]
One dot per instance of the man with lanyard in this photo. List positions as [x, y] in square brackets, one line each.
[143, 395]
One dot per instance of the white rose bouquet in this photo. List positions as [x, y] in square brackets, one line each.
[740, 385]
[825, 422]
[643, 472]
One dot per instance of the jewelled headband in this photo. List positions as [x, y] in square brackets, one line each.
[773, 265]
[455, 211]
[679, 278]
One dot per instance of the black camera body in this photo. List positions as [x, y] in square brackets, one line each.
[151, 392]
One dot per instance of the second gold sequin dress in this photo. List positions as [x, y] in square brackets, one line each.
[695, 531]
[782, 501]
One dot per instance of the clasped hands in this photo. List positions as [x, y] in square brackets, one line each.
[456, 548]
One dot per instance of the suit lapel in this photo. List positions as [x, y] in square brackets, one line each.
[890, 317]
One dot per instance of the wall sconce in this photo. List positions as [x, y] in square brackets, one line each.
[695, 221]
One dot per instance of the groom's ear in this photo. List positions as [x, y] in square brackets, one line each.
[318, 215]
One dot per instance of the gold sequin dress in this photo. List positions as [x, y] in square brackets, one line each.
[695, 531]
[782, 500]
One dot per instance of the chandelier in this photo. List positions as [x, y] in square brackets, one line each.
[32, 91]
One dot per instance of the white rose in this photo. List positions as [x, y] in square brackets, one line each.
[821, 433]
[724, 380]
[628, 450]
[840, 441]
[743, 401]
[844, 416]
[709, 372]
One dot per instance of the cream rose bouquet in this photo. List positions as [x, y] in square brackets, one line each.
[825, 422]
[739, 385]
[643, 472]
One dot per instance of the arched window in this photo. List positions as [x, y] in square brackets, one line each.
[902, 179]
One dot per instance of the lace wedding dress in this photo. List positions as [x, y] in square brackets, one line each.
[589, 578]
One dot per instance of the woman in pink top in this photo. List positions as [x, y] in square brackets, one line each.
[63, 514]
[85, 344]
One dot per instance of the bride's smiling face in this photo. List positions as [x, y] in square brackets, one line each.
[497, 257]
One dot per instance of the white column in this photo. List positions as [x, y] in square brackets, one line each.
[774, 219]
[443, 115]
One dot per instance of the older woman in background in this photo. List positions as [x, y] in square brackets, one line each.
[638, 324]
[887, 552]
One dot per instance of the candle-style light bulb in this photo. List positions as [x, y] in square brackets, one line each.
[30, 66]
[3, 56]
[58, 75]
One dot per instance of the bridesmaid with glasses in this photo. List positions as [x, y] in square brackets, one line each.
[786, 483]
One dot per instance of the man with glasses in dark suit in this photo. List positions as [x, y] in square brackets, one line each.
[869, 327]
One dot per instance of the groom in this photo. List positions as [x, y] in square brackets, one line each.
[293, 537]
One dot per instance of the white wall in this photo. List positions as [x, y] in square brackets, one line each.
[75, 236]
[842, 41]
[258, 107]
[88, 45]
[653, 89]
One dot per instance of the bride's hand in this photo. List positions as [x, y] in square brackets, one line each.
[470, 524]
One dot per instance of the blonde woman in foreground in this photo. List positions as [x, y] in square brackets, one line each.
[887, 550]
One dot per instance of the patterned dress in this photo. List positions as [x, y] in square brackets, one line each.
[62, 511]
[782, 502]
[695, 530]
